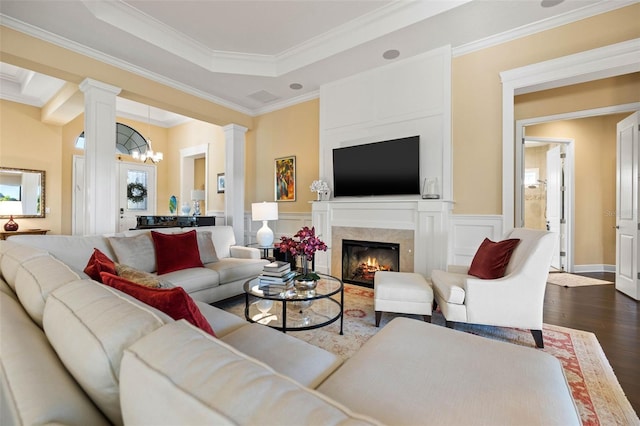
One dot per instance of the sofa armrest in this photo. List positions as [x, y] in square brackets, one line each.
[244, 252]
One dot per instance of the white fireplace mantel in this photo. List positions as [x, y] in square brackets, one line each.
[428, 219]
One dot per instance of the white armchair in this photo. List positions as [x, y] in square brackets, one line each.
[515, 300]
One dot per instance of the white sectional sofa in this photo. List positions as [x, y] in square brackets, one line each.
[226, 269]
[77, 352]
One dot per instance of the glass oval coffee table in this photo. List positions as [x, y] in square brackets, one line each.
[293, 310]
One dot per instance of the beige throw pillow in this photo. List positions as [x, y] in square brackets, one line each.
[205, 246]
[137, 252]
[139, 277]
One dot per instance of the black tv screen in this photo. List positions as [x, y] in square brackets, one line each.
[382, 168]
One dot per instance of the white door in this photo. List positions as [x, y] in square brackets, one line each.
[137, 193]
[627, 206]
[553, 211]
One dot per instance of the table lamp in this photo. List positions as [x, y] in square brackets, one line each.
[264, 211]
[197, 195]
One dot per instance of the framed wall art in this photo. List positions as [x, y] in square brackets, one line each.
[285, 178]
[220, 183]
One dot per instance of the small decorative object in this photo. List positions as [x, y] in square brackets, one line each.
[220, 183]
[306, 245]
[136, 192]
[11, 225]
[430, 189]
[173, 204]
[285, 183]
[185, 209]
[321, 188]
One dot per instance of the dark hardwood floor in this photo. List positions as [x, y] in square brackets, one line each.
[611, 316]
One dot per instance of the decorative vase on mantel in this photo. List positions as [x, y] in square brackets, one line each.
[11, 225]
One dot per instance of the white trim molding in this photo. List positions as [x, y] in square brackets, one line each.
[609, 61]
[467, 232]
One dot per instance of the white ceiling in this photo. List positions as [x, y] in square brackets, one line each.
[246, 54]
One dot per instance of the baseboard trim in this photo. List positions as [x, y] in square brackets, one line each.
[594, 268]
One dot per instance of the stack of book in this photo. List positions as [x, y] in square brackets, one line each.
[276, 276]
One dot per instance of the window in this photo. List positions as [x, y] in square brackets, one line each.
[127, 140]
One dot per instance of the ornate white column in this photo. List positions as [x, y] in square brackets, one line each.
[234, 136]
[100, 185]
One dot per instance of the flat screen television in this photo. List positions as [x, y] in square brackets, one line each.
[389, 167]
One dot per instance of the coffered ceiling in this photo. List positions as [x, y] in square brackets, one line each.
[257, 56]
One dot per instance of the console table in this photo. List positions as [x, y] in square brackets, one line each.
[6, 234]
[148, 222]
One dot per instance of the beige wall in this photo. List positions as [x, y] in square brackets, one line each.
[27, 143]
[594, 183]
[286, 132]
[477, 99]
[196, 133]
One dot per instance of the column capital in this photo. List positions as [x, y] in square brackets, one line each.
[89, 83]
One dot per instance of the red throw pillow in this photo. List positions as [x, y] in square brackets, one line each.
[99, 262]
[174, 302]
[176, 251]
[492, 258]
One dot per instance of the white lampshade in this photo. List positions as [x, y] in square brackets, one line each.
[264, 212]
[197, 194]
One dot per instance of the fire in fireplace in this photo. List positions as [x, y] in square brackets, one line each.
[362, 259]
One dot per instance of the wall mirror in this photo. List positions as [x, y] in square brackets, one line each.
[22, 192]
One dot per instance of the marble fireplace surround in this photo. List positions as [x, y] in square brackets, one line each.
[419, 226]
[405, 238]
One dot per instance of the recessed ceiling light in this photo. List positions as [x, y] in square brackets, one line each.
[295, 86]
[550, 3]
[391, 54]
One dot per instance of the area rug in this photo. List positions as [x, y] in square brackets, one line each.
[570, 280]
[595, 389]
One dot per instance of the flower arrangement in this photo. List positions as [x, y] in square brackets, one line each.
[306, 245]
[320, 187]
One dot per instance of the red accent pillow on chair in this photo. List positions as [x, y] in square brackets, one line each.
[492, 258]
[174, 302]
[176, 251]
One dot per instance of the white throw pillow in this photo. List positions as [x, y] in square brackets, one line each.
[137, 252]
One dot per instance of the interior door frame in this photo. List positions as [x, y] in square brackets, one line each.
[569, 193]
[608, 61]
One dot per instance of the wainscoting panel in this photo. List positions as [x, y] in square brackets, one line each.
[466, 234]
[287, 224]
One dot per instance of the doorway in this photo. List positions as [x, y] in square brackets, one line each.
[547, 193]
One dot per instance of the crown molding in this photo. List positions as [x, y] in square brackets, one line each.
[543, 25]
[287, 103]
[65, 43]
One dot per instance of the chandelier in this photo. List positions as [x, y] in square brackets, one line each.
[150, 154]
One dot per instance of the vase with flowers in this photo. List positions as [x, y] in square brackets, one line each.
[320, 188]
[304, 243]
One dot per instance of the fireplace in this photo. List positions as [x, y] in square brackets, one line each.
[362, 259]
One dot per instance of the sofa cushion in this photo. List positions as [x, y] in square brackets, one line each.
[137, 276]
[307, 364]
[89, 325]
[222, 321]
[192, 279]
[36, 279]
[136, 251]
[174, 302]
[232, 269]
[175, 252]
[13, 255]
[463, 379]
[214, 384]
[99, 262]
[36, 388]
[73, 250]
[491, 260]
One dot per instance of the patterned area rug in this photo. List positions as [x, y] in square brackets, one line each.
[569, 280]
[594, 387]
